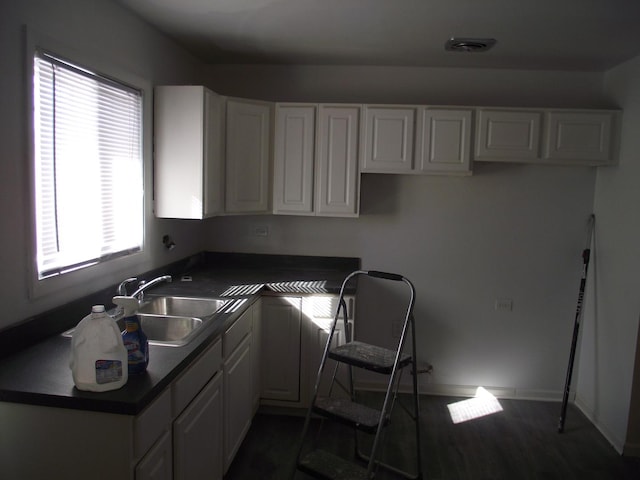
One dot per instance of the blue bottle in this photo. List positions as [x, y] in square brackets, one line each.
[137, 345]
[134, 339]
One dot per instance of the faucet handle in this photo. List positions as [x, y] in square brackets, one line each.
[122, 288]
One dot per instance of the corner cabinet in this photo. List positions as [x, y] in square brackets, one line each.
[416, 139]
[248, 156]
[316, 160]
[189, 138]
[294, 334]
[551, 137]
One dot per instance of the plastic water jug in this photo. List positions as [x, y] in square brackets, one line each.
[98, 356]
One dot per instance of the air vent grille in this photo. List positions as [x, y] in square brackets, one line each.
[469, 45]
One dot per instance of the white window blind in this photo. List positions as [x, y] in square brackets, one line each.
[88, 167]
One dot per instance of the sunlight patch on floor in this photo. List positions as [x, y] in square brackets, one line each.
[484, 403]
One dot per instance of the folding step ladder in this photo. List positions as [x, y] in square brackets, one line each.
[363, 418]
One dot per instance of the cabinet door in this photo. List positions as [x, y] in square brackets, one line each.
[444, 141]
[336, 169]
[188, 157]
[197, 436]
[388, 140]
[178, 162]
[581, 137]
[214, 150]
[247, 163]
[321, 312]
[281, 320]
[508, 135]
[157, 463]
[256, 353]
[293, 162]
[237, 399]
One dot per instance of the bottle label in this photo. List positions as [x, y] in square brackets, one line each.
[138, 355]
[108, 371]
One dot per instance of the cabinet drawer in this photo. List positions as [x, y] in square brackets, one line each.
[151, 423]
[236, 332]
[185, 388]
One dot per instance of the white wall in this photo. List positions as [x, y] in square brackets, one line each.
[102, 30]
[609, 337]
[508, 231]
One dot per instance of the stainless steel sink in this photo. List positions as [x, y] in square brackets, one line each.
[173, 321]
[181, 306]
[169, 330]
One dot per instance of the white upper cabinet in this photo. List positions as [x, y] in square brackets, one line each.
[248, 156]
[579, 136]
[508, 135]
[552, 137]
[316, 160]
[336, 169]
[189, 152]
[416, 139]
[444, 141]
[387, 144]
[294, 159]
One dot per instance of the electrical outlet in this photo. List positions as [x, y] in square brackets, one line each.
[260, 231]
[503, 304]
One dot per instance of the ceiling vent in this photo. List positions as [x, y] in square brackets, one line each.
[469, 44]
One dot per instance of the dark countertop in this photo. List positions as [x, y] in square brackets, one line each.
[39, 374]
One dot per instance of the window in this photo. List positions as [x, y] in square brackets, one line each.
[89, 184]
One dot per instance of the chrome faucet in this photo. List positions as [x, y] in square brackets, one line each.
[142, 286]
[122, 288]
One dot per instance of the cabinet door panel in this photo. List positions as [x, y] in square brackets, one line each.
[579, 136]
[293, 163]
[214, 148]
[281, 323]
[237, 399]
[445, 140]
[337, 161]
[508, 135]
[157, 464]
[247, 162]
[178, 143]
[388, 139]
[197, 436]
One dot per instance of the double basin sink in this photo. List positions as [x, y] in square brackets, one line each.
[174, 321]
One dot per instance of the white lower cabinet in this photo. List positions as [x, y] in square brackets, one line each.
[197, 436]
[238, 409]
[281, 323]
[157, 463]
[294, 333]
[256, 354]
[238, 370]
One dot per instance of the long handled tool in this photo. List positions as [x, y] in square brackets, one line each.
[586, 254]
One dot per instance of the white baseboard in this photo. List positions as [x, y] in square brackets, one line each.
[467, 391]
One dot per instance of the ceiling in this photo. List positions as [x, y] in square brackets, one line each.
[588, 35]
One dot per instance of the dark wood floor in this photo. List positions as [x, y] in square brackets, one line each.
[521, 442]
